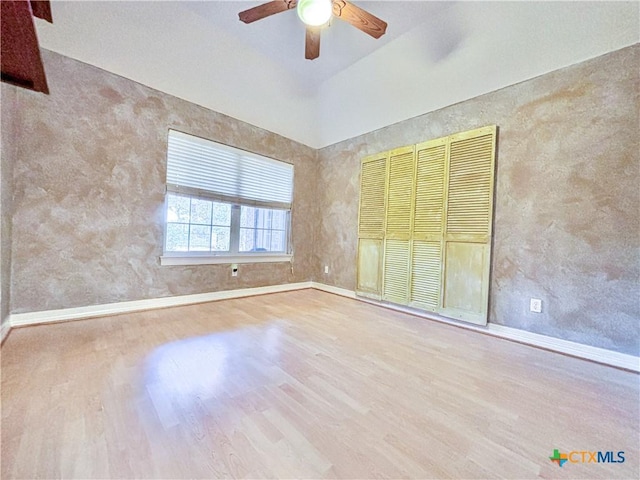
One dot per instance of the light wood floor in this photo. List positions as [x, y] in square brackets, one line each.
[302, 385]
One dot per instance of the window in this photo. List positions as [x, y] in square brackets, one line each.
[224, 204]
[197, 225]
[263, 230]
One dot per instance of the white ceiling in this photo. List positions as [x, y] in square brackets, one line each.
[434, 54]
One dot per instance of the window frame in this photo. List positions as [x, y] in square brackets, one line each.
[233, 255]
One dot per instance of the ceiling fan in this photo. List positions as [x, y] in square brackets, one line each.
[315, 14]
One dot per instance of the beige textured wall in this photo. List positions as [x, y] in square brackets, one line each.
[87, 186]
[89, 192]
[567, 198]
[7, 159]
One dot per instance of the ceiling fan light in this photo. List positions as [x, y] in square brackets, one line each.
[314, 12]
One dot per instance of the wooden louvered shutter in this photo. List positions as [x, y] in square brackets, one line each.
[467, 238]
[424, 234]
[371, 225]
[428, 225]
[400, 189]
[396, 270]
[399, 193]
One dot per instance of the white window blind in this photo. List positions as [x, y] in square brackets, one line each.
[196, 166]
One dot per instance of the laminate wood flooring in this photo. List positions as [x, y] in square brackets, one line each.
[302, 384]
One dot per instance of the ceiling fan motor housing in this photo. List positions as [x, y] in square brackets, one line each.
[314, 12]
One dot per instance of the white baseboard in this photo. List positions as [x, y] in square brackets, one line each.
[600, 355]
[77, 313]
[595, 354]
[331, 289]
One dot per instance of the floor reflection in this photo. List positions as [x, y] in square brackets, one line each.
[193, 366]
[181, 375]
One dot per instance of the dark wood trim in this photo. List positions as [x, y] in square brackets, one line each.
[41, 9]
[20, 53]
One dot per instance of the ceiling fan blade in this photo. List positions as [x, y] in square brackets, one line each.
[266, 10]
[312, 43]
[359, 18]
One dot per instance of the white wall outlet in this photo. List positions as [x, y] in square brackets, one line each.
[234, 269]
[326, 269]
[535, 305]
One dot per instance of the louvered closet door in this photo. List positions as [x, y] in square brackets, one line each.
[428, 225]
[371, 225]
[396, 271]
[467, 240]
[397, 250]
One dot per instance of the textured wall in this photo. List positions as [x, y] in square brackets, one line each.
[7, 159]
[567, 198]
[88, 187]
[89, 192]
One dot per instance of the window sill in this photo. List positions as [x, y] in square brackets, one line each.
[220, 259]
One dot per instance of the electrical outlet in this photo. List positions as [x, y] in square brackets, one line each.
[326, 269]
[234, 270]
[535, 305]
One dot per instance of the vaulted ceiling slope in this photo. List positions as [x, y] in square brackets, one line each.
[433, 55]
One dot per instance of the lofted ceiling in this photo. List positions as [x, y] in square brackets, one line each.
[434, 54]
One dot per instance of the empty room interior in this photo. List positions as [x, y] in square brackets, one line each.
[320, 239]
